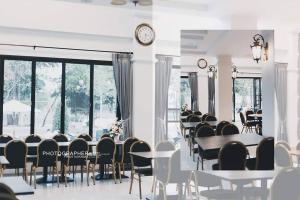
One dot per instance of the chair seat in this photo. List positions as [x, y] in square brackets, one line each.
[251, 163]
[144, 171]
[215, 166]
[219, 194]
[252, 123]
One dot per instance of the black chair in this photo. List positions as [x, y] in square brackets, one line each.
[197, 113]
[204, 117]
[4, 139]
[6, 193]
[126, 159]
[193, 118]
[185, 113]
[230, 129]
[205, 131]
[220, 127]
[140, 165]
[105, 155]
[60, 138]
[249, 118]
[210, 118]
[16, 153]
[31, 155]
[47, 154]
[264, 156]
[247, 125]
[192, 141]
[105, 136]
[77, 156]
[232, 156]
[86, 137]
[259, 112]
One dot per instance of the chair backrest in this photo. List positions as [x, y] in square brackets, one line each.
[249, 118]
[230, 129]
[32, 139]
[285, 144]
[242, 117]
[232, 156]
[5, 138]
[60, 138]
[265, 154]
[16, 153]
[220, 127]
[204, 117]
[6, 193]
[126, 148]
[77, 152]
[106, 150]
[193, 118]
[86, 137]
[282, 156]
[210, 118]
[259, 111]
[185, 113]
[47, 153]
[176, 175]
[105, 136]
[140, 146]
[197, 113]
[200, 125]
[286, 184]
[165, 146]
[205, 131]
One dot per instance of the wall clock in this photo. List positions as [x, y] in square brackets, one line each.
[144, 34]
[202, 63]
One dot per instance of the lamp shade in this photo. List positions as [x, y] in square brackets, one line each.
[118, 2]
[256, 52]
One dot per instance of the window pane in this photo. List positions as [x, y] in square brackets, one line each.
[77, 99]
[17, 98]
[48, 98]
[174, 96]
[105, 99]
[185, 92]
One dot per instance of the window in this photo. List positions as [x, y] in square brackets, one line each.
[105, 99]
[246, 95]
[17, 98]
[48, 98]
[174, 96]
[186, 95]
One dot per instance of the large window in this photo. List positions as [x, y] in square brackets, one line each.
[185, 89]
[246, 95]
[17, 98]
[47, 96]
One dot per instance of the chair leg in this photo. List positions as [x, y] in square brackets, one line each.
[123, 167]
[120, 174]
[165, 192]
[140, 185]
[131, 182]
[202, 163]
[57, 176]
[198, 163]
[243, 129]
[114, 171]
[87, 175]
[34, 177]
[65, 171]
[81, 170]
[30, 175]
[153, 184]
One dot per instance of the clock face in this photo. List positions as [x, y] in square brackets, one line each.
[202, 63]
[144, 34]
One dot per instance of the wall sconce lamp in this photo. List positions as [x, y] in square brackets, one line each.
[212, 71]
[259, 48]
[234, 72]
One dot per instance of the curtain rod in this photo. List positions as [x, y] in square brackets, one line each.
[61, 48]
[168, 55]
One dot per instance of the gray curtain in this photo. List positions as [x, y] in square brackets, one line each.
[123, 78]
[211, 96]
[163, 69]
[193, 80]
[281, 97]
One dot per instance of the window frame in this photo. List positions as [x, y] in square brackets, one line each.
[63, 61]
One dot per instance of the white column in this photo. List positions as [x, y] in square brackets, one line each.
[224, 88]
[143, 86]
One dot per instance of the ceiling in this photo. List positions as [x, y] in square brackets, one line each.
[235, 43]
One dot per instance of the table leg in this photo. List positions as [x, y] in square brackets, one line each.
[264, 188]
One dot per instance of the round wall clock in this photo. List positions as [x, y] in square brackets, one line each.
[144, 34]
[202, 63]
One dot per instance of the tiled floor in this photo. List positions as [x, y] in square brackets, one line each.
[106, 189]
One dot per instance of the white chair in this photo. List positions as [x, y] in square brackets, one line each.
[170, 173]
[282, 156]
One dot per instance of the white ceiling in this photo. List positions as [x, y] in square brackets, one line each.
[217, 42]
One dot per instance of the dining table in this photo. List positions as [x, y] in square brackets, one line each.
[49, 179]
[239, 178]
[17, 185]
